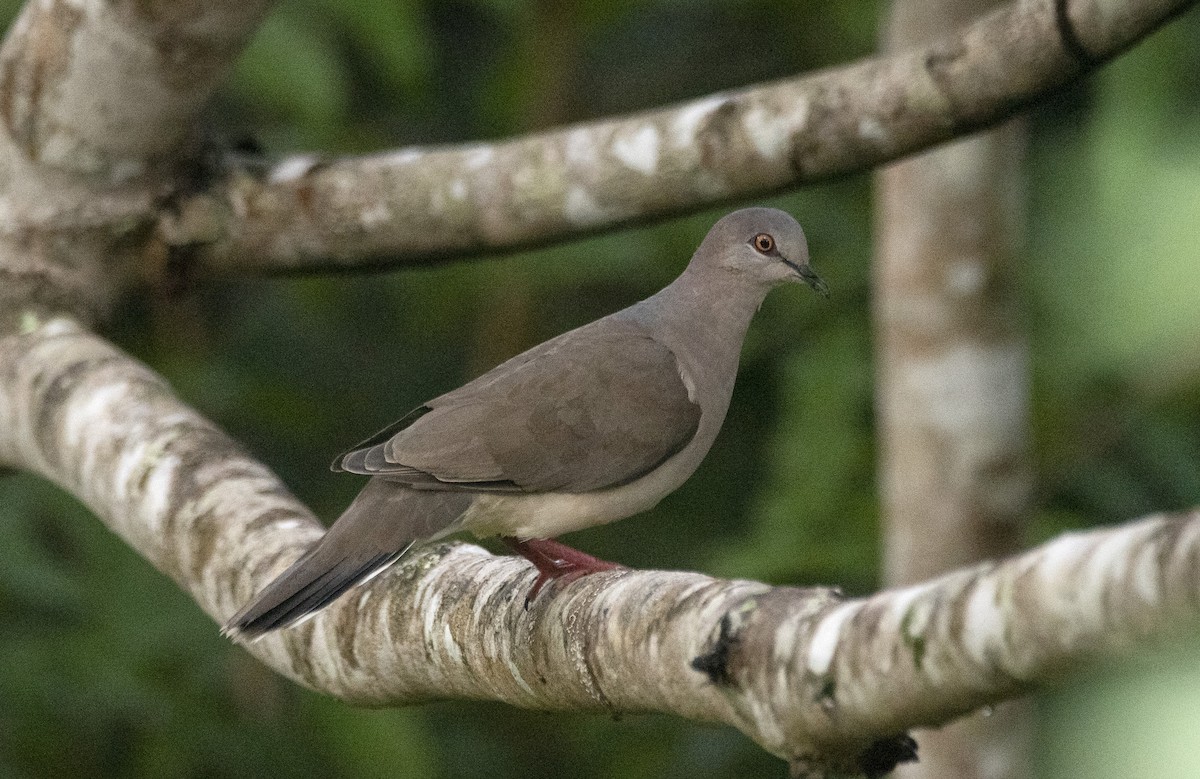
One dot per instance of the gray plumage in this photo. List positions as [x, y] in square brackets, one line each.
[594, 425]
[533, 425]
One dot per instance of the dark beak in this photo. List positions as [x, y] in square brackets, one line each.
[810, 278]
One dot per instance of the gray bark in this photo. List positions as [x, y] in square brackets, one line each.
[422, 204]
[811, 676]
[953, 378]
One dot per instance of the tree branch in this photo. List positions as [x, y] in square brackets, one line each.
[99, 88]
[426, 204]
[810, 676]
[96, 100]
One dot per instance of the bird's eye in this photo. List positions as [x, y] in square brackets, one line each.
[764, 243]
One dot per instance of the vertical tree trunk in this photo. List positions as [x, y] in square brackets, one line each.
[953, 377]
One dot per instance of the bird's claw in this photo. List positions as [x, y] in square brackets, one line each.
[556, 562]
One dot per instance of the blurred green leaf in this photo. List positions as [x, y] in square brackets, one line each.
[1134, 719]
[293, 74]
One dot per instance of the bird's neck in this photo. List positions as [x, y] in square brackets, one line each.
[703, 316]
[715, 301]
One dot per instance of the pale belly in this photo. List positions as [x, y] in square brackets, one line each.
[551, 514]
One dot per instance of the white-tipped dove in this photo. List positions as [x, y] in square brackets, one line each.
[595, 425]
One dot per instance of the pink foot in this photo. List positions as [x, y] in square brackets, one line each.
[555, 561]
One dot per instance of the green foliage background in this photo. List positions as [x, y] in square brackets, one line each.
[106, 669]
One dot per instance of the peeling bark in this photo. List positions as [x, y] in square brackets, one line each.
[814, 678]
[428, 204]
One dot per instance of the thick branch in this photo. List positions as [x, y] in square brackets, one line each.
[95, 100]
[424, 204]
[809, 676]
[102, 88]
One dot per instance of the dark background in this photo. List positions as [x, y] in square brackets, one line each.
[107, 669]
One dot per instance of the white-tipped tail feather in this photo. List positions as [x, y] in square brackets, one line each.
[382, 523]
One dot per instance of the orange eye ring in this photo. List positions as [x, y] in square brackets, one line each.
[764, 243]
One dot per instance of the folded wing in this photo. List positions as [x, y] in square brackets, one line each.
[594, 408]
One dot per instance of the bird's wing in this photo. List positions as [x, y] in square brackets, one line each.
[596, 407]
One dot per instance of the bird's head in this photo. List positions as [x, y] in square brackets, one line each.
[766, 244]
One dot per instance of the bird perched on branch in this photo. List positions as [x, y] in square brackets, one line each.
[592, 426]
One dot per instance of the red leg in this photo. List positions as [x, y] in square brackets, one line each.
[555, 561]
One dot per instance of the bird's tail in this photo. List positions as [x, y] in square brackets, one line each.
[373, 532]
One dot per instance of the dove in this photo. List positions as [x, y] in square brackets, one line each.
[594, 425]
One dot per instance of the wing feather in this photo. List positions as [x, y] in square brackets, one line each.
[593, 408]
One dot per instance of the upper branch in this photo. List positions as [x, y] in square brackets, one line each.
[810, 676]
[424, 204]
